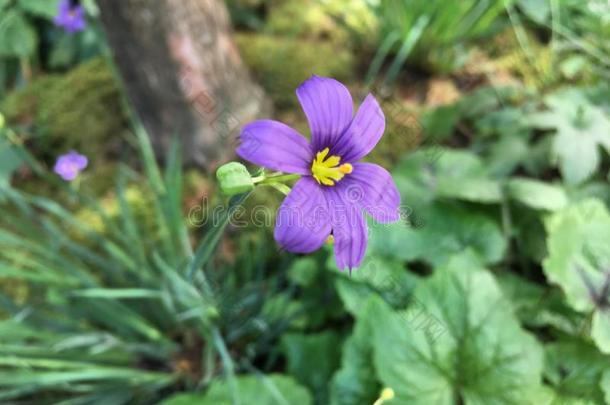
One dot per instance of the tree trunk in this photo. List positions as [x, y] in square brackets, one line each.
[183, 74]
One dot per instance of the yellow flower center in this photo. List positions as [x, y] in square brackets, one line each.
[326, 170]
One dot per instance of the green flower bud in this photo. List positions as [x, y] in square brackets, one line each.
[234, 179]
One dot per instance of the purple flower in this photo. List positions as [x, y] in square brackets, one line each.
[70, 16]
[335, 190]
[68, 166]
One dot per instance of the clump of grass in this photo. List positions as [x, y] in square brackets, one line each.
[430, 33]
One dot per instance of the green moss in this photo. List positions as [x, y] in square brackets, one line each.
[20, 107]
[535, 64]
[138, 197]
[281, 64]
[304, 18]
[79, 110]
[340, 21]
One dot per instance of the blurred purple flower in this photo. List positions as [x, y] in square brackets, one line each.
[70, 16]
[334, 190]
[68, 166]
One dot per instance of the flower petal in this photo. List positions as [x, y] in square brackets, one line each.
[364, 132]
[303, 221]
[276, 146]
[349, 228]
[372, 188]
[329, 109]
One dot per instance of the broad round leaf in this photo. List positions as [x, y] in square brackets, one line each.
[17, 36]
[579, 262]
[459, 341]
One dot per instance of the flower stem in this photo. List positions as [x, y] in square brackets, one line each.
[275, 178]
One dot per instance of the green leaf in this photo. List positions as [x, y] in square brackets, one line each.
[537, 194]
[485, 100]
[581, 129]
[312, 360]
[303, 271]
[578, 156]
[537, 161]
[206, 247]
[376, 276]
[605, 385]
[9, 161]
[439, 123]
[538, 10]
[47, 8]
[574, 369]
[538, 307]
[507, 153]
[590, 190]
[458, 342]
[274, 389]
[579, 260]
[436, 229]
[17, 36]
[600, 329]
[84, 374]
[506, 122]
[573, 65]
[356, 382]
[440, 172]
[122, 293]
[438, 232]
[470, 189]
[529, 233]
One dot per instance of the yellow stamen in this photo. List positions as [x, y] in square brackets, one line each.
[330, 240]
[326, 170]
[346, 168]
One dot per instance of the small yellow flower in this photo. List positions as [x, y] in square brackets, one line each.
[386, 395]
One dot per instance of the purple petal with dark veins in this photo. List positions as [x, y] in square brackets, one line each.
[372, 188]
[349, 228]
[363, 133]
[276, 146]
[303, 222]
[329, 109]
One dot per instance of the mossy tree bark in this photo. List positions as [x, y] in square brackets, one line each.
[183, 74]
